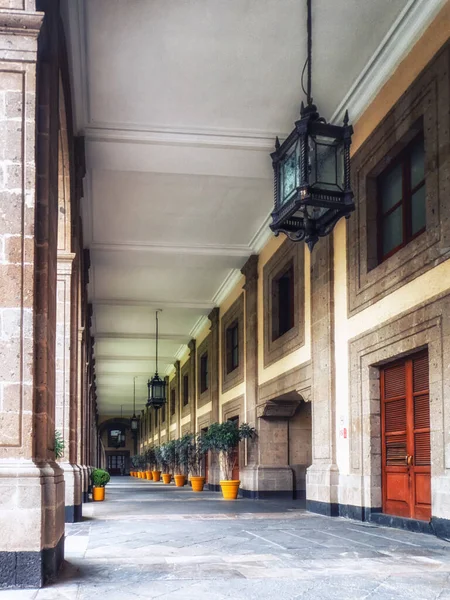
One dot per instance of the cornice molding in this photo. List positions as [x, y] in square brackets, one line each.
[21, 22]
[227, 286]
[240, 250]
[200, 324]
[396, 44]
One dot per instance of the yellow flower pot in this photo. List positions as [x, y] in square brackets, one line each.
[166, 477]
[156, 475]
[197, 483]
[140, 474]
[148, 475]
[98, 494]
[180, 480]
[230, 489]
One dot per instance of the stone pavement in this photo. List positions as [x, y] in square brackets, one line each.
[153, 541]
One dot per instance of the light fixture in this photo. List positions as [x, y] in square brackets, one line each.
[312, 171]
[134, 420]
[156, 385]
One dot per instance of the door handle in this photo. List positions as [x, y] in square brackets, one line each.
[409, 460]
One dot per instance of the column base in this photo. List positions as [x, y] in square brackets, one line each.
[267, 482]
[73, 503]
[322, 486]
[31, 523]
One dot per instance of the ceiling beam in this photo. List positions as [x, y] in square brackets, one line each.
[169, 337]
[197, 306]
[240, 250]
[122, 357]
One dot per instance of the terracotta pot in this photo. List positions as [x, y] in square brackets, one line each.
[230, 489]
[167, 477]
[180, 480]
[156, 475]
[197, 483]
[98, 494]
[148, 475]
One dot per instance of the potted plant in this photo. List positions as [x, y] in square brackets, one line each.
[197, 450]
[99, 479]
[182, 459]
[223, 438]
[167, 450]
[157, 470]
[150, 463]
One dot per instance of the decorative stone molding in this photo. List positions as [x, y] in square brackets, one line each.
[426, 102]
[293, 339]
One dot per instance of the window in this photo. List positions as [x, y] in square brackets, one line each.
[116, 438]
[185, 390]
[204, 375]
[283, 302]
[232, 347]
[149, 423]
[172, 402]
[401, 200]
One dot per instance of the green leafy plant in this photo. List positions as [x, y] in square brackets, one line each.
[182, 454]
[150, 459]
[165, 451]
[224, 439]
[170, 455]
[159, 458]
[58, 445]
[197, 451]
[99, 477]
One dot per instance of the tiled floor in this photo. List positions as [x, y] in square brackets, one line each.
[153, 541]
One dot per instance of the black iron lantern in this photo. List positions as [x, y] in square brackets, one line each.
[156, 385]
[134, 422]
[312, 172]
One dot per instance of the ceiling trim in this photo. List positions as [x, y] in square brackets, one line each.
[403, 34]
[219, 138]
[240, 250]
[174, 337]
[206, 306]
[227, 286]
[200, 324]
[120, 358]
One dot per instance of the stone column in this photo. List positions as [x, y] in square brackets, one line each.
[64, 412]
[31, 484]
[193, 383]
[214, 363]
[322, 476]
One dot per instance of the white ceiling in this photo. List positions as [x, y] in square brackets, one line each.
[180, 101]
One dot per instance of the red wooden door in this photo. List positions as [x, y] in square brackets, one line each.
[406, 452]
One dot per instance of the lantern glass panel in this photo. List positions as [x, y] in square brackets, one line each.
[326, 163]
[290, 173]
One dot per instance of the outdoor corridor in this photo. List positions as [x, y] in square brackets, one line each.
[148, 540]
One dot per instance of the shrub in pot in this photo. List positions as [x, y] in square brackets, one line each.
[158, 464]
[224, 438]
[197, 450]
[99, 479]
[150, 462]
[167, 460]
[182, 459]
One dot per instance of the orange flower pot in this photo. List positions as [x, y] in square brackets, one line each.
[166, 477]
[156, 475]
[230, 489]
[148, 475]
[98, 494]
[180, 480]
[140, 474]
[197, 483]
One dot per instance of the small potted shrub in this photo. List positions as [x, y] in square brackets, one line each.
[158, 465]
[223, 438]
[150, 463]
[182, 460]
[167, 461]
[197, 450]
[99, 479]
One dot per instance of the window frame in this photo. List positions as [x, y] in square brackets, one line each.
[204, 373]
[232, 347]
[403, 159]
[185, 389]
[276, 304]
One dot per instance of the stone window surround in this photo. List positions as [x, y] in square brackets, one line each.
[293, 339]
[186, 370]
[205, 397]
[426, 101]
[427, 326]
[235, 408]
[234, 313]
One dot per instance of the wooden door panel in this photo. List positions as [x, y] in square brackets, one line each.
[406, 451]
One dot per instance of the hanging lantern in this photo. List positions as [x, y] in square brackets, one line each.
[156, 385]
[134, 421]
[312, 172]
